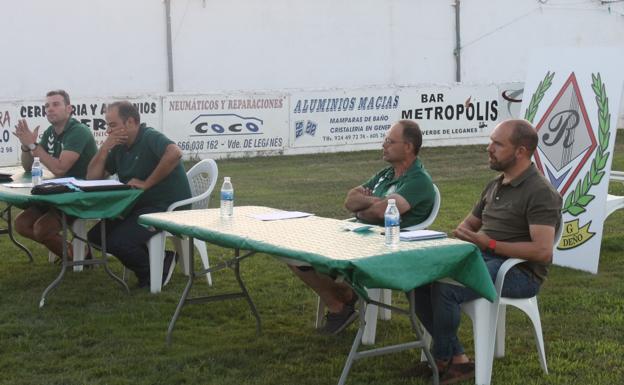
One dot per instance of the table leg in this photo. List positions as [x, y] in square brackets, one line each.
[245, 292]
[186, 291]
[234, 264]
[354, 354]
[9, 231]
[64, 263]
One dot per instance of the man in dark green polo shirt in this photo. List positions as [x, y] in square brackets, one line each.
[143, 158]
[516, 216]
[66, 148]
[408, 183]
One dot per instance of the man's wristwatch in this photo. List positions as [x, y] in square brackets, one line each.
[32, 146]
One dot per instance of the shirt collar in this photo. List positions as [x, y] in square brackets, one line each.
[531, 170]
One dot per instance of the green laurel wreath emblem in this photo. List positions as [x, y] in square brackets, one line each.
[580, 197]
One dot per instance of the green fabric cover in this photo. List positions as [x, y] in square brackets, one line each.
[403, 270]
[86, 205]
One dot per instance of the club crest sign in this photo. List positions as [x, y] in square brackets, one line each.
[566, 141]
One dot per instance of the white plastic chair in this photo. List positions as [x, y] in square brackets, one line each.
[615, 202]
[383, 295]
[202, 178]
[488, 322]
[79, 227]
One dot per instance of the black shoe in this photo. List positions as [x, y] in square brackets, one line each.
[337, 322]
[168, 266]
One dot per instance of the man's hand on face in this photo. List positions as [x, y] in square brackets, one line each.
[23, 133]
[115, 138]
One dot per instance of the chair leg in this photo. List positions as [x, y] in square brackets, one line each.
[203, 253]
[320, 313]
[181, 248]
[530, 308]
[499, 350]
[427, 340]
[386, 314]
[156, 247]
[370, 329]
[78, 246]
[479, 311]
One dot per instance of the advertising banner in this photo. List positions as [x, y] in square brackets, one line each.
[242, 124]
[452, 114]
[90, 111]
[341, 118]
[9, 144]
[572, 96]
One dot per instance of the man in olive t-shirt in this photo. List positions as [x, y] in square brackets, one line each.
[66, 148]
[408, 183]
[516, 217]
[142, 158]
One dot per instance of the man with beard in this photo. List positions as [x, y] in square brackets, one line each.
[516, 216]
[66, 148]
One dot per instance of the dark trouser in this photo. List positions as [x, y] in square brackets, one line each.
[126, 240]
[438, 304]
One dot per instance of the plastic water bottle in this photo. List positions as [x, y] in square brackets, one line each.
[392, 217]
[36, 172]
[227, 198]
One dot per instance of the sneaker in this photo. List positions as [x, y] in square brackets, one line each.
[337, 322]
[168, 266]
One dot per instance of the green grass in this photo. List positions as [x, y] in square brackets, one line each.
[90, 332]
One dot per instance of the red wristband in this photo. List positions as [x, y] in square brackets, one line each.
[492, 245]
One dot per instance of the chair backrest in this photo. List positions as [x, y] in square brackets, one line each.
[432, 216]
[202, 178]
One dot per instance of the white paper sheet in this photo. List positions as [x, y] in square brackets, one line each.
[278, 215]
[17, 185]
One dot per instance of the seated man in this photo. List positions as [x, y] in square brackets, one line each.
[143, 158]
[406, 181]
[66, 147]
[517, 216]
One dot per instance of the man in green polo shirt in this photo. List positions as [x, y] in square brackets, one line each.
[66, 148]
[408, 183]
[516, 216]
[142, 158]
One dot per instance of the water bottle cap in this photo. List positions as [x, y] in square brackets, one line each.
[36, 159]
[226, 178]
[391, 202]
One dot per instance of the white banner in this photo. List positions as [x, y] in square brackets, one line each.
[455, 115]
[339, 118]
[90, 111]
[243, 124]
[572, 96]
[9, 144]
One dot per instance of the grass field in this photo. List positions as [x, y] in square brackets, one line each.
[90, 332]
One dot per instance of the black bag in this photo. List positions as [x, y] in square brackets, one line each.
[50, 188]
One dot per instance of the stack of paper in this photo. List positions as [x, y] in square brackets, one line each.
[419, 235]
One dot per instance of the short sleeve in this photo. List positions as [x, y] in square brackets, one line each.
[76, 139]
[544, 208]
[157, 142]
[416, 191]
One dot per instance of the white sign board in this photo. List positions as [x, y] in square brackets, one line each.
[342, 118]
[90, 111]
[239, 124]
[452, 115]
[572, 96]
[9, 144]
